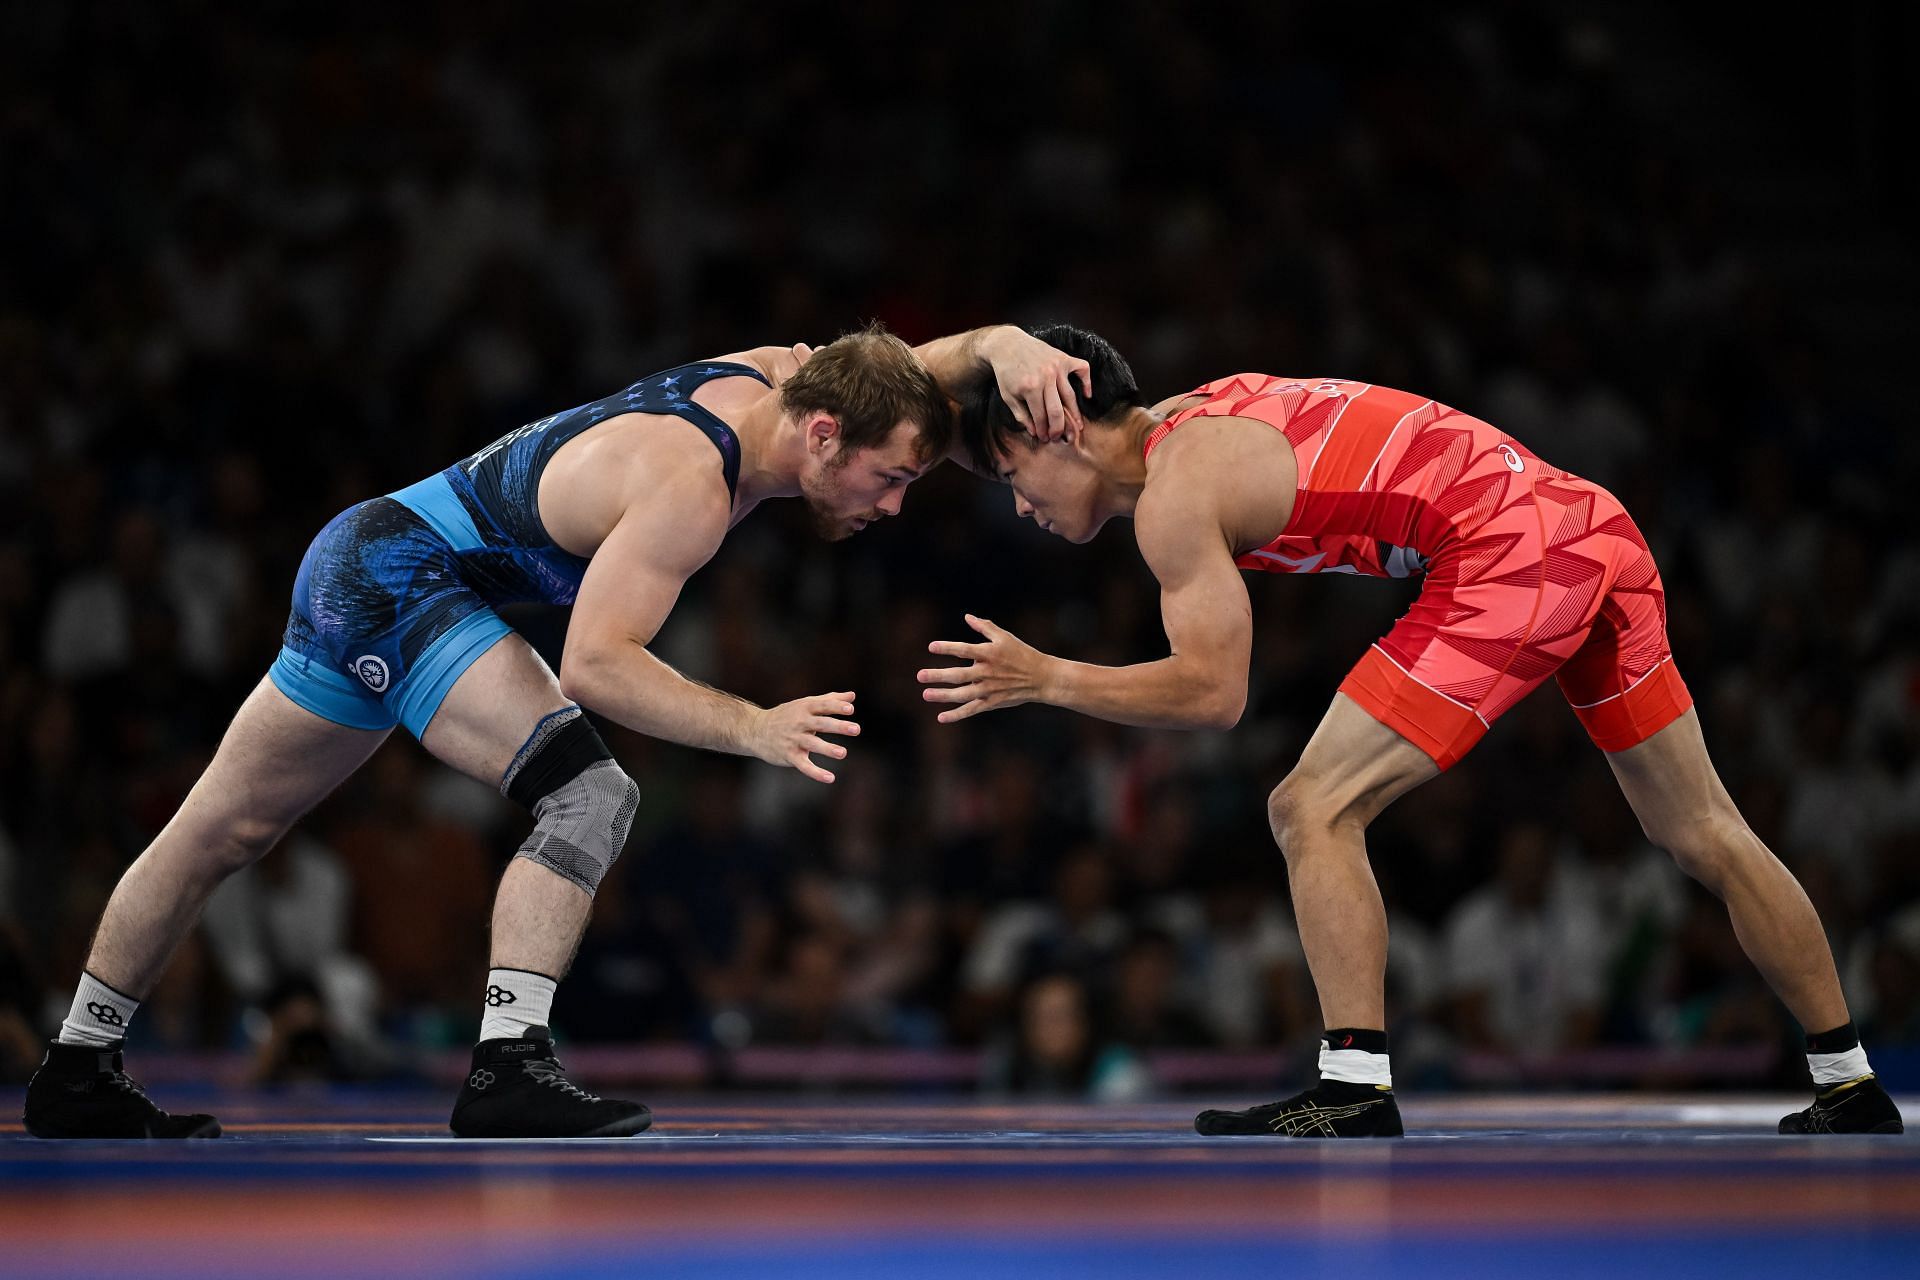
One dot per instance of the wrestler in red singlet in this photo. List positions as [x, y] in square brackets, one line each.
[1529, 569]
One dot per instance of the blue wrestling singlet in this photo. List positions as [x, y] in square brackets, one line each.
[394, 599]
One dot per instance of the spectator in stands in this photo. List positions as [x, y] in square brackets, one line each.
[1056, 1049]
[1525, 958]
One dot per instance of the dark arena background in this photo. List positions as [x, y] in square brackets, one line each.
[953, 1015]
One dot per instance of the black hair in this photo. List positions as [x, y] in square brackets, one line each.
[988, 426]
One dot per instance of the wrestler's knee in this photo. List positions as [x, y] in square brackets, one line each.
[1709, 848]
[582, 801]
[1309, 806]
[1296, 809]
[240, 842]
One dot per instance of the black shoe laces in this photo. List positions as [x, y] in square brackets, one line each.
[551, 1072]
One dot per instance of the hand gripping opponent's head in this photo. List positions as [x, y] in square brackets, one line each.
[1064, 487]
[873, 421]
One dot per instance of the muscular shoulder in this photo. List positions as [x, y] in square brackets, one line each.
[649, 470]
[674, 467]
[1235, 474]
[675, 516]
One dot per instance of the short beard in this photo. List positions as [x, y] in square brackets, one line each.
[820, 514]
[828, 525]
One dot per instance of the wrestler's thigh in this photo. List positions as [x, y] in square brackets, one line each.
[276, 761]
[491, 709]
[1354, 766]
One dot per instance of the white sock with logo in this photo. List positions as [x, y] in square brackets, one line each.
[99, 1015]
[515, 1000]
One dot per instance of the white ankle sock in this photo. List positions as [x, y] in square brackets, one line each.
[1838, 1068]
[515, 1000]
[99, 1015]
[1356, 1066]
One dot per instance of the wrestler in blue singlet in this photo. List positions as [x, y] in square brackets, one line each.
[394, 598]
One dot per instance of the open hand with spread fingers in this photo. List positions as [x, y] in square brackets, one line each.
[794, 732]
[1001, 671]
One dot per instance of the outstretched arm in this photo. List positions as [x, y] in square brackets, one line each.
[1035, 380]
[1201, 684]
[630, 587]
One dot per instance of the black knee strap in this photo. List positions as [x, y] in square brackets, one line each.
[560, 748]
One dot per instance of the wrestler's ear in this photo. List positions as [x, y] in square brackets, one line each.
[823, 430]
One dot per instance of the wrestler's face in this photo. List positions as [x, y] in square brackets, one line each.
[1055, 486]
[847, 490]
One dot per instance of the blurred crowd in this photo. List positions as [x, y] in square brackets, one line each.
[262, 263]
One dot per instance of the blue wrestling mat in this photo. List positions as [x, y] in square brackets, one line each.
[342, 1182]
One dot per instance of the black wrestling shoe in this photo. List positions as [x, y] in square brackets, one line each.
[1331, 1109]
[1858, 1106]
[83, 1092]
[517, 1089]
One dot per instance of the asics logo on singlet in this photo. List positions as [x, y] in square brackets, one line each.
[372, 672]
[1513, 459]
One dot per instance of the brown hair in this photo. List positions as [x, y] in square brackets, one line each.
[871, 382]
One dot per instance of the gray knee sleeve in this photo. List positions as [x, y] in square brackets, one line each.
[583, 825]
[582, 803]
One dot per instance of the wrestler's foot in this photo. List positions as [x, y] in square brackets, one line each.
[1331, 1109]
[83, 1092]
[517, 1089]
[1857, 1106]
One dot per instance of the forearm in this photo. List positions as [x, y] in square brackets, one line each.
[1167, 694]
[633, 688]
[953, 360]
